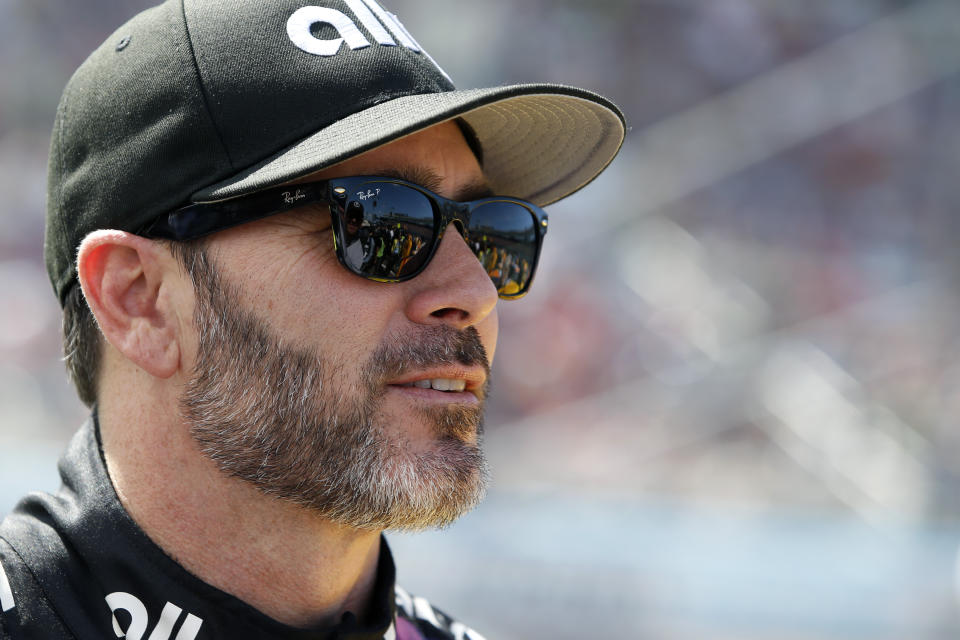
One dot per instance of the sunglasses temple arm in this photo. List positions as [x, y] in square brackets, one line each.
[200, 219]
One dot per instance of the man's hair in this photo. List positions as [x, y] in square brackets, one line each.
[81, 345]
[82, 340]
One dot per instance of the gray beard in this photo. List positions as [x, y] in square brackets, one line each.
[297, 426]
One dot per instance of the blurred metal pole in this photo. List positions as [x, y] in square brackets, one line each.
[878, 65]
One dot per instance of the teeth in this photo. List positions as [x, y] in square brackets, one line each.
[440, 384]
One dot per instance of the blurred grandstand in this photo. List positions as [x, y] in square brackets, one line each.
[725, 409]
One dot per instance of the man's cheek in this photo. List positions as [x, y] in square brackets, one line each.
[489, 330]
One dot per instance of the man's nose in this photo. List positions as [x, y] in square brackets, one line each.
[454, 288]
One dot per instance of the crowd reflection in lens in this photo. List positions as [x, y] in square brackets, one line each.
[387, 250]
[396, 248]
[508, 269]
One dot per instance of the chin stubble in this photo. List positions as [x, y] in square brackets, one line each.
[309, 429]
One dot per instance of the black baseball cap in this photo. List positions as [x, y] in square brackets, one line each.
[203, 100]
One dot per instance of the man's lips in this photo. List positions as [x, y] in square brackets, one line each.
[444, 379]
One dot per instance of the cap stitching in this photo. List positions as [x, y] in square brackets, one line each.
[557, 111]
[261, 177]
[203, 87]
[554, 116]
[598, 145]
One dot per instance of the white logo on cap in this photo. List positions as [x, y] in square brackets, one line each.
[384, 26]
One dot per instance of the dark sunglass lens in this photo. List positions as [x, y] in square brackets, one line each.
[503, 236]
[387, 229]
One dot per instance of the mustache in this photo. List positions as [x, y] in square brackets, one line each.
[430, 347]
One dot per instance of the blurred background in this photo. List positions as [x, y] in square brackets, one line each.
[726, 409]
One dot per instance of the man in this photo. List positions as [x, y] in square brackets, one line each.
[268, 392]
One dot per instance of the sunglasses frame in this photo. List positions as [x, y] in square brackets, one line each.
[203, 218]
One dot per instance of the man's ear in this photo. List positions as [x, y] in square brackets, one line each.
[125, 279]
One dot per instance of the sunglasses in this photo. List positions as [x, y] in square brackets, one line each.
[387, 229]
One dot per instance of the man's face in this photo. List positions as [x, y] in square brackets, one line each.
[305, 376]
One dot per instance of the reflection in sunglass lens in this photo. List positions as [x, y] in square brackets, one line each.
[503, 236]
[387, 229]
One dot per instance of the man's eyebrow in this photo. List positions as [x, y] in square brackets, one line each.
[430, 179]
[474, 190]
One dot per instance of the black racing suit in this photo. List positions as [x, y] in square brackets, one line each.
[75, 566]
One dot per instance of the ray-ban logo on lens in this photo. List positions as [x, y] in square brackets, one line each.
[384, 26]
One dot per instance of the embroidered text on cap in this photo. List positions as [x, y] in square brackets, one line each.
[300, 25]
[377, 21]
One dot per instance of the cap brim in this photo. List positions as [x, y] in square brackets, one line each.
[540, 142]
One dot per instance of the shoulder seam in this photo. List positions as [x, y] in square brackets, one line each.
[40, 587]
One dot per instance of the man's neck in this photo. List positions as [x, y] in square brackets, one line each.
[275, 556]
